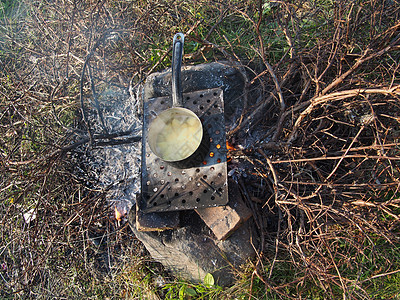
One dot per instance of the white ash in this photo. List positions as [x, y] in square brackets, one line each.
[119, 164]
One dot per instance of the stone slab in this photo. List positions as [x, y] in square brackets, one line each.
[192, 251]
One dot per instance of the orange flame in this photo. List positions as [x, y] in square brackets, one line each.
[118, 215]
[230, 146]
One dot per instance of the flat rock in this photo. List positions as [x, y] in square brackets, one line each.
[192, 251]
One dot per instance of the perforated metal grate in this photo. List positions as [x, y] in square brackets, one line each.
[167, 188]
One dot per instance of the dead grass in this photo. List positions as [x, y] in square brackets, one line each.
[322, 86]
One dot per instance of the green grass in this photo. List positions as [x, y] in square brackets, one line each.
[6, 7]
[182, 290]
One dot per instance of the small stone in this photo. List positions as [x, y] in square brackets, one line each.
[367, 119]
[156, 221]
[224, 220]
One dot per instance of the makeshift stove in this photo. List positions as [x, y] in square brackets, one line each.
[188, 219]
[166, 187]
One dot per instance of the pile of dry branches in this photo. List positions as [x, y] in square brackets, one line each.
[331, 155]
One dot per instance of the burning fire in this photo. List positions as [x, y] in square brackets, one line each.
[118, 214]
[230, 146]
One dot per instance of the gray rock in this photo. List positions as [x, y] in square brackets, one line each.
[190, 252]
[201, 77]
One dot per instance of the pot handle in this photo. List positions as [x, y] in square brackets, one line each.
[177, 54]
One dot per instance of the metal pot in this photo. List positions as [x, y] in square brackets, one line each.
[177, 135]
